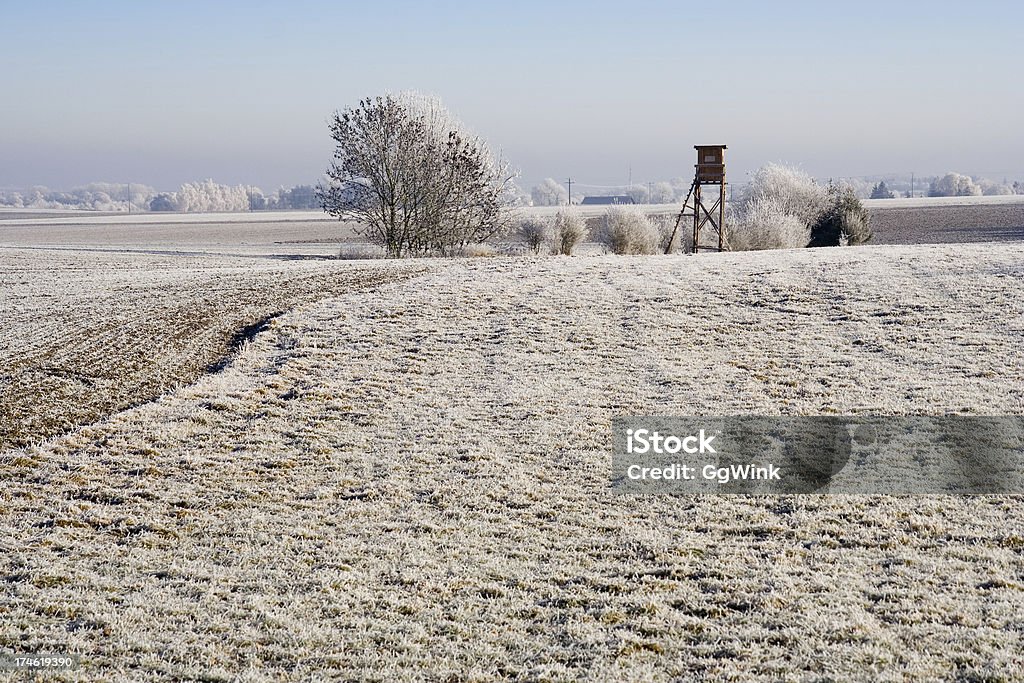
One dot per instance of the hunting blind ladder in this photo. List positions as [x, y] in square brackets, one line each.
[710, 170]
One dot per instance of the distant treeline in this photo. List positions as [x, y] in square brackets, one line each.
[550, 192]
[191, 197]
[208, 196]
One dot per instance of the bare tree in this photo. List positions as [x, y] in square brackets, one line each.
[414, 178]
[662, 193]
[533, 232]
[549, 193]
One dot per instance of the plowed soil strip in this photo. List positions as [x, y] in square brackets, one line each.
[89, 335]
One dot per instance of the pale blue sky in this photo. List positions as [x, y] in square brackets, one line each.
[165, 92]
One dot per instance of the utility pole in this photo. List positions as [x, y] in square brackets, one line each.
[570, 191]
[911, 185]
[129, 198]
[649, 200]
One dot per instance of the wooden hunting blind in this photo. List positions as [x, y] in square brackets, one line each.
[710, 163]
[709, 170]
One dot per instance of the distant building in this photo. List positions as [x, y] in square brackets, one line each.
[609, 199]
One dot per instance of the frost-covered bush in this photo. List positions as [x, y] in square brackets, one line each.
[667, 241]
[568, 229]
[359, 252]
[765, 224]
[953, 185]
[776, 211]
[533, 232]
[784, 208]
[628, 231]
[477, 250]
[845, 222]
[793, 192]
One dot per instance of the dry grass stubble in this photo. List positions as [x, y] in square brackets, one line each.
[410, 482]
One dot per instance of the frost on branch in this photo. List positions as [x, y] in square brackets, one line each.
[414, 178]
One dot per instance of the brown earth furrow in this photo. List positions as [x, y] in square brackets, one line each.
[81, 347]
[948, 224]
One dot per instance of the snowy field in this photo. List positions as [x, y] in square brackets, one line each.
[279, 234]
[310, 234]
[404, 476]
[88, 333]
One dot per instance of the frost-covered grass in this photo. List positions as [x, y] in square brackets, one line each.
[215, 236]
[409, 482]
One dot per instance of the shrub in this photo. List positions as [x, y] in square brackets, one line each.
[357, 252]
[776, 211]
[477, 250]
[794, 192]
[628, 231]
[765, 224]
[683, 239]
[785, 208]
[845, 222]
[533, 232]
[568, 229]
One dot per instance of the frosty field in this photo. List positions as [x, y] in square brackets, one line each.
[92, 332]
[404, 475]
[304, 234]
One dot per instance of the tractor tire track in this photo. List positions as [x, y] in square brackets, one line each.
[82, 343]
